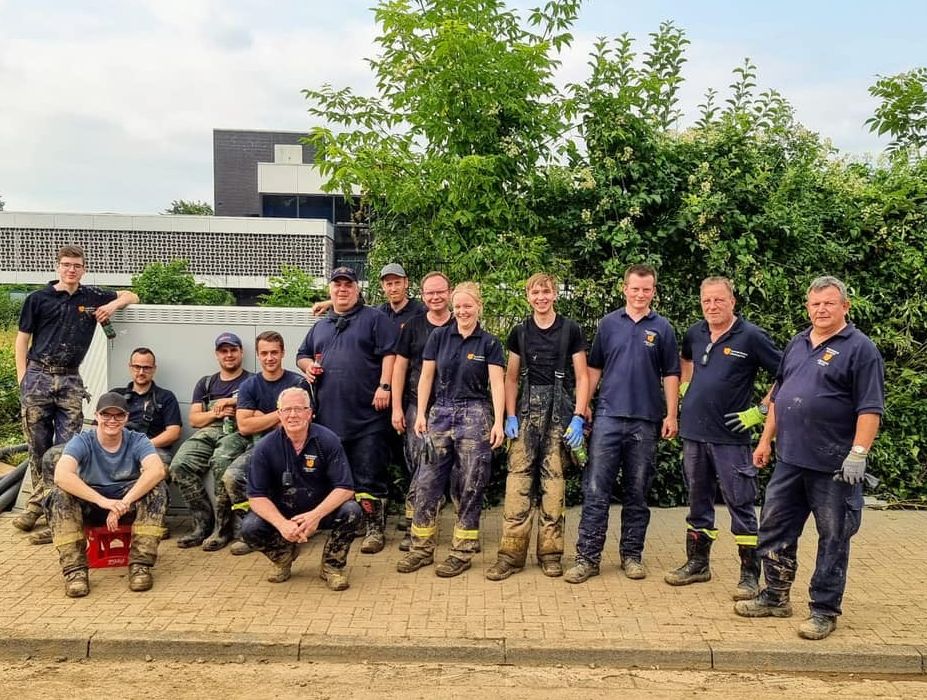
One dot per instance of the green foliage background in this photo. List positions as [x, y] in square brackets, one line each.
[471, 161]
[173, 283]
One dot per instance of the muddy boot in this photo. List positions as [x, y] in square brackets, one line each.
[239, 546]
[203, 523]
[749, 585]
[26, 520]
[283, 563]
[41, 536]
[222, 532]
[140, 578]
[76, 583]
[501, 570]
[695, 570]
[375, 521]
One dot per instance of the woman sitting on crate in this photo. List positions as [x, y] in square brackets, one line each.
[105, 475]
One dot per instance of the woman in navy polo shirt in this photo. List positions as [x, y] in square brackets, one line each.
[464, 365]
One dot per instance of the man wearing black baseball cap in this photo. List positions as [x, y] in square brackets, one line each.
[106, 475]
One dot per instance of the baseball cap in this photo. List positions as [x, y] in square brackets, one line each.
[112, 400]
[343, 271]
[393, 269]
[227, 338]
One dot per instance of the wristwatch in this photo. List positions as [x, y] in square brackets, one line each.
[763, 408]
[386, 387]
[859, 450]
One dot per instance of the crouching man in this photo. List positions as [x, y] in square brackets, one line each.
[105, 475]
[300, 482]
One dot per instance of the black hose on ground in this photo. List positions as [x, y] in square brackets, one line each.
[14, 477]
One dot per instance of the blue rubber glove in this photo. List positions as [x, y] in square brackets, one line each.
[511, 427]
[742, 421]
[573, 435]
[853, 469]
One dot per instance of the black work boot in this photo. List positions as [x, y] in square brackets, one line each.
[222, 534]
[202, 526]
[375, 522]
[749, 585]
[695, 570]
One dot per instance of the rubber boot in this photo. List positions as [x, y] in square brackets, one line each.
[202, 526]
[695, 570]
[222, 534]
[375, 521]
[749, 585]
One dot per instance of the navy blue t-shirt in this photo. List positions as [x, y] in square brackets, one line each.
[61, 324]
[150, 413]
[820, 392]
[320, 467]
[725, 383]
[462, 364]
[634, 358]
[400, 318]
[352, 346]
[258, 394]
[411, 343]
[218, 388]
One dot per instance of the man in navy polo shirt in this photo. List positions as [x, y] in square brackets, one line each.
[720, 360]
[825, 413]
[635, 355]
[348, 357]
[300, 482]
[56, 325]
[256, 415]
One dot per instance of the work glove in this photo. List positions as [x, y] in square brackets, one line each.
[853, 469]
[742, 421]
[573, 435]
[683, 388]
[511, 427]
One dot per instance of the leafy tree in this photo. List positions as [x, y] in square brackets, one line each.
[903, 112]
[173, 283]
[192, 207]
[293, 287]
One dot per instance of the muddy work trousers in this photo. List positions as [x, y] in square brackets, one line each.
[460, 435]
[534, 484]
[68, 515]
[52, 413]
[207, 449]
[341, 524]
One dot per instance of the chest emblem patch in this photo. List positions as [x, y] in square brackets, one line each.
[309, 465]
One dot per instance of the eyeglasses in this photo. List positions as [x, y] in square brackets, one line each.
[705, 354]
[291, 410]
[112, 417]
[142, 368]
[435, 293]
[71, 266]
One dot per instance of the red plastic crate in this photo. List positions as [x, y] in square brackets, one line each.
[107, 549]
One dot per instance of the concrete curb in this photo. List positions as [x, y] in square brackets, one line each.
[800, 657]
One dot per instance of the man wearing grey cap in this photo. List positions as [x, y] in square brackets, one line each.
[103, 476]
[217, 441]
[398, 307]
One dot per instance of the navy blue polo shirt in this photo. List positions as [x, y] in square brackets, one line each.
[634, 357]
[258, 394]
[352, 346]
[150, 413]
[411, 343]
[61, 324]
[725, 383]
[462, 364]
[319, 468]
[400, 318]
[819, 394]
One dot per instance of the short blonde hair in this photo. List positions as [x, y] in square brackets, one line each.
[541, 279]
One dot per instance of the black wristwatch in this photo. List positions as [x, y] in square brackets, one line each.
[386, 387]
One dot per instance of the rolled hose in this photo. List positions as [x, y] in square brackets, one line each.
[8, 497]
[10, 450]
[14, 477]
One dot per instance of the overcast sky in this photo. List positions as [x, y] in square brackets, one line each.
[109, 105]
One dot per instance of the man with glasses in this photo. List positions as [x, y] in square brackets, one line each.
[106, 475]
[407, 368]
[56, 326]
[299, 483]
[721, 356]
[635, 356]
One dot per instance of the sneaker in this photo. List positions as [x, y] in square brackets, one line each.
[240, 548]
[633, 568]
[335, 579]
[452, 566]
[581, 572]
[762, 606]
[552, 568]
[817, 627]
[41, 536]
[405, 544]
[413, 561]
[501, 570]
[26, 521]
[140, 577]
[77, 584]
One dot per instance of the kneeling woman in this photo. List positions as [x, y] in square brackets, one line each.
[463, 364]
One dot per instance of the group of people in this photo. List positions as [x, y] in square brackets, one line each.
[426, 384]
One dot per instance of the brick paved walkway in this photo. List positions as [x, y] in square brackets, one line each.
[196, 592]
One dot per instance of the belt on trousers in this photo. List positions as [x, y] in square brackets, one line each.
[52, 369]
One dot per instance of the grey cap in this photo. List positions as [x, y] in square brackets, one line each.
[393, 269]
[112, 400]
